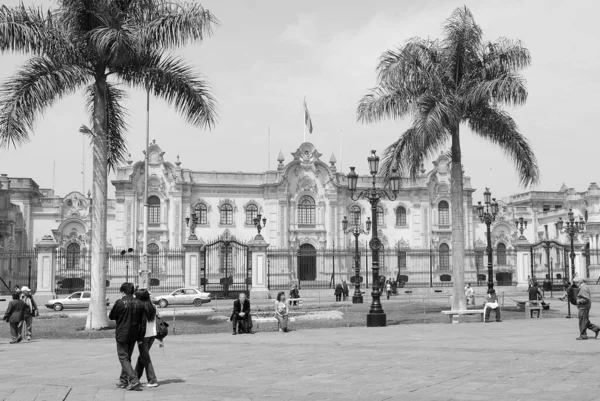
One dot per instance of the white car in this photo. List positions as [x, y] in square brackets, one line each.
[77, 300]
[183, 296]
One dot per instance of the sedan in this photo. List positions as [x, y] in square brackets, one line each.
[77, 300]
[183, 296]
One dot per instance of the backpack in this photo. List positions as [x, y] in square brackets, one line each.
[162, 328]
[573, 291]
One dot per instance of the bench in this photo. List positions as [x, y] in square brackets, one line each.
[292, 300]
[457, 313]
[533, 306]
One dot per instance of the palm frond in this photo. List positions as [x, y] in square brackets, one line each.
[117, 125]
[21, 28]
[167, 24]
[169, 78]
[508, 88]
[512, 55]
[114, 44]
[499, 128]
[34, 88]
[381, 103]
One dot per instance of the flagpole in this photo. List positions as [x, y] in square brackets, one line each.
[304, 119]
[342, 150]
[269, 154]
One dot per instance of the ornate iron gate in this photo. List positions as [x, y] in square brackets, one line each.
[227, 267]
[548, 261]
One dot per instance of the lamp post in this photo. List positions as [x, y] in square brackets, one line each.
[192, 226]
[123, 253]
[259, 227]
[487, 215]
[356, 230]
[376, 317]
[572, 228]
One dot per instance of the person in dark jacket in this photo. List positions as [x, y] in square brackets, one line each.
[128, 312]
[14, 316]
[339, 290]
[584, 304]
[29, 312]
[345, 290]
[294, 293]
[535, 293]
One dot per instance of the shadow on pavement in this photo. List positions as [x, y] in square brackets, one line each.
[171, 381]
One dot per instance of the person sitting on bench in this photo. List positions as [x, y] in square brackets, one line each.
[491, 302]
[535, 293]
[294, 294]
[241, 314]
[470, 294]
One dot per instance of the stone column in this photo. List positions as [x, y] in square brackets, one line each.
[46, 261]
[193, 250]
[523, 249]
[258, 247]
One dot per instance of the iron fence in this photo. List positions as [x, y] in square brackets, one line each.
[166, 266]
[18, 268]
[410, 267]
[226, 267]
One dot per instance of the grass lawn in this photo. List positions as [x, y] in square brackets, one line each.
[61, 326]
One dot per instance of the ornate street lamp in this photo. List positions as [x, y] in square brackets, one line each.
[487, 215]
[356, 230]
[521, 226]
[572, 228]
[259, 227]
[376, 317]
[192, 226]
[123, 253]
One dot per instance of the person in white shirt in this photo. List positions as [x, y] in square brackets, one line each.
[470, 294]
[144, 361]
[282, 312]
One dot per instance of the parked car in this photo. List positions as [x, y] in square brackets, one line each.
[183, 296]
[77, 300]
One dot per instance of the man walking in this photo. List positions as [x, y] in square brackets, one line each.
[584, 304]
[29, 312]
[128, 313]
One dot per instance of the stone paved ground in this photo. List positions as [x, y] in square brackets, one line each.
[513, 360]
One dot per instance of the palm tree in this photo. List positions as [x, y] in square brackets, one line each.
[98, 46]
[442, 84]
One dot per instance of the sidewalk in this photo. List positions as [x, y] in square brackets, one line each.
[513, 360]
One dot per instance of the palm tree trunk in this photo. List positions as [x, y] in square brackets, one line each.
[458, 224]
[97, 317]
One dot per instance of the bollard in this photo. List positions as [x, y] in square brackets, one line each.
[455, 318]
[174, 313]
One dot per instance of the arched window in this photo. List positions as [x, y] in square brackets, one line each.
[227, 214]
[73, 256]
[201, 213]
[153, 251]
[306, 210]
[379, 216]
[444, 213]
[400, 216]
[251, 213]
[355, 215]
[153, 210]
[444, 257]
[501, 254]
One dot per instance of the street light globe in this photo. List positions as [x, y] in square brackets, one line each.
[368, 224]
[395, 180]
[345, 223]
[373, 163]
[352, 179]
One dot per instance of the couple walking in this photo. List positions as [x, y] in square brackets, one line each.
[136, 319]
[19, 314]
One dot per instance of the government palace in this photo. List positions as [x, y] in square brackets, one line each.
[304, 201]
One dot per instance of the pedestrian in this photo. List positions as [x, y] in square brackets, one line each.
[491, 303]
[388, 289]
[128, 312]
[282, 312]
[584, 304]
[535, 293]
[529, 282]
[294, 293]
[339, 290]
[345, 290]
[29, 312]
[149, 329]
[470, 294]
[17, 290]
[14, 316]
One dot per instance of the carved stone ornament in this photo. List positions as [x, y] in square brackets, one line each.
[402, 243]
[308, 156]
[75, 205]
[307, 184]
[375, 244]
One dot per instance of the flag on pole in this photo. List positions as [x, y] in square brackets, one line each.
[307, 119]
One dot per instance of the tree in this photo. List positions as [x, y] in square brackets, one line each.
[98, 46]
[443, 84]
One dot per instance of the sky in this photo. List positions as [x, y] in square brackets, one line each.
[267, 55]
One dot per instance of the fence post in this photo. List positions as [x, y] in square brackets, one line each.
[46, 272]
[258, 247]
[192, 262]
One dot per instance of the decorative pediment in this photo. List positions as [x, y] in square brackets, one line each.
[353, 204]
[253, 202]
[155, 154]
[75, 205]
[402, 243]
[306, 184]
[443, 164]
[205, 203]
[227, 201]
[479, 243]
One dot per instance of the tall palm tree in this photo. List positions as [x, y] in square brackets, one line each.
[98, 46]
[443, 84]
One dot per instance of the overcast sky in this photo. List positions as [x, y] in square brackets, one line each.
[268, 54]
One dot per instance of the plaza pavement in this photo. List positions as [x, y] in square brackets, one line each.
[513, 360]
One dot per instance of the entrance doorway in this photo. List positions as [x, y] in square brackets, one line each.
[307, 263]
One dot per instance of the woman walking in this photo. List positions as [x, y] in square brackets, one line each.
[14, 316]
[282, 312]
[144, 361]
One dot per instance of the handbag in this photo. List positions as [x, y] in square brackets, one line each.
[162, 328]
